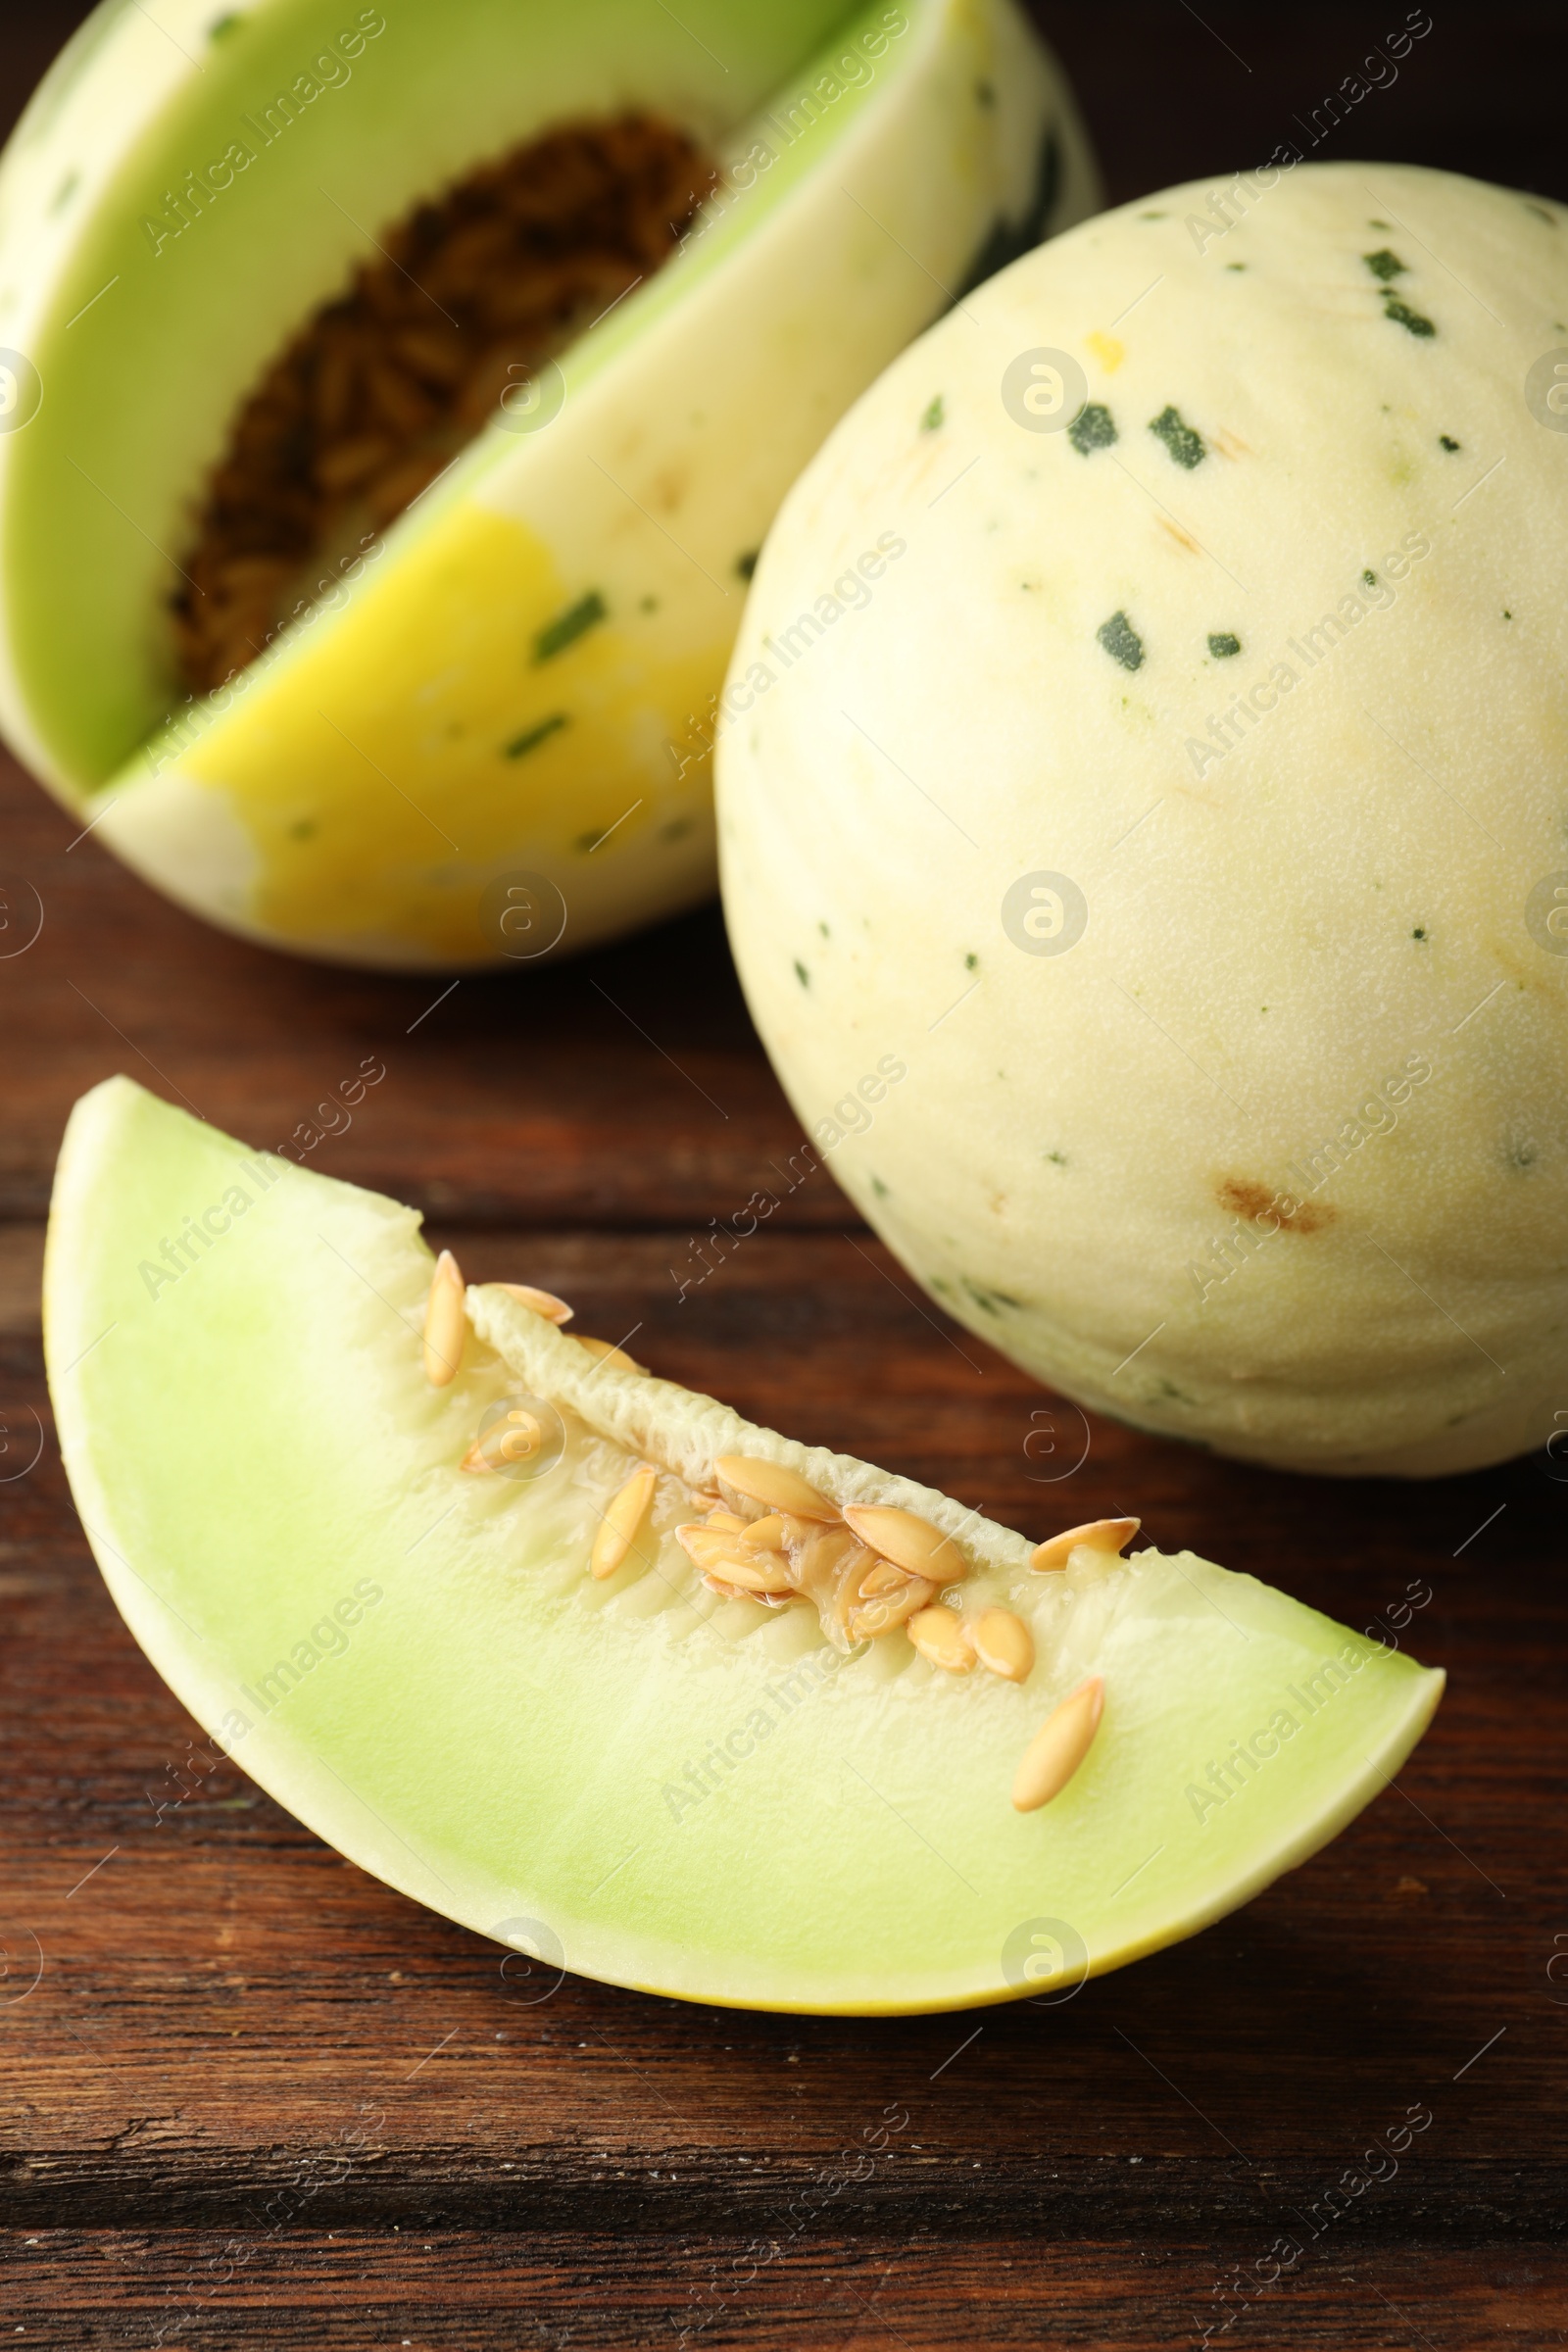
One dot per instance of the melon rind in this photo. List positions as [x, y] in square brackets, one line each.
[252, 1442]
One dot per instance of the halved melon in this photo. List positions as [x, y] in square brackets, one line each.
[510, 1691]
[185, 188]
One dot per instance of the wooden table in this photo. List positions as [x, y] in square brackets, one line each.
[252, 2097]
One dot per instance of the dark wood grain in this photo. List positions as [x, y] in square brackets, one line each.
[516, 2290]
[1179, 89]
[537, 1099]
[251, 2097]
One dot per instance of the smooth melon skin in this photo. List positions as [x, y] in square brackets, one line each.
[353, 795]
[1271, 1152]
[631, 1777]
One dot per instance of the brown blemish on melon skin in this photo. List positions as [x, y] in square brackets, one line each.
[1245, 1198]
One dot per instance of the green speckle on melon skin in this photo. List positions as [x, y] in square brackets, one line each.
[568, 626]
[1414, 323]
[1121, 641]
[532, 737]
[992, 1301]
[1184, 445]
[1093, 428]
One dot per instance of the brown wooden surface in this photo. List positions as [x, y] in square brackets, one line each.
[199, 2007]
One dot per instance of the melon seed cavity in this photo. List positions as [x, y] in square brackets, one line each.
[472, 292]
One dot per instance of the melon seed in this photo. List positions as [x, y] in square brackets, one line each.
[621, 1520]
[607, 1353]
[772, 1533]
[543, 1302]
[1058, 1747]
[938, 1633]
[884, 1610]
[775, 1487]
[768, 1581]
[1100, 1534]
[765, 1597]
[730, 1521]
[445, 1325]
[1005, 1644]
[909, 1541]
[707, 1547]
[717, 1552]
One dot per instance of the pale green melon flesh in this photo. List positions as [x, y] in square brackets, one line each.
[252, 1443]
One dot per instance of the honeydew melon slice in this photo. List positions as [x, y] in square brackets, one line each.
[350, 794]
[629, 1776]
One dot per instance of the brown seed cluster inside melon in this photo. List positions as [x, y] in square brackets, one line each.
[469, 295]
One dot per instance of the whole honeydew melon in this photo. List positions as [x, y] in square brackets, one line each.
[1183, 812]
[528, 1709]
[185, 188]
